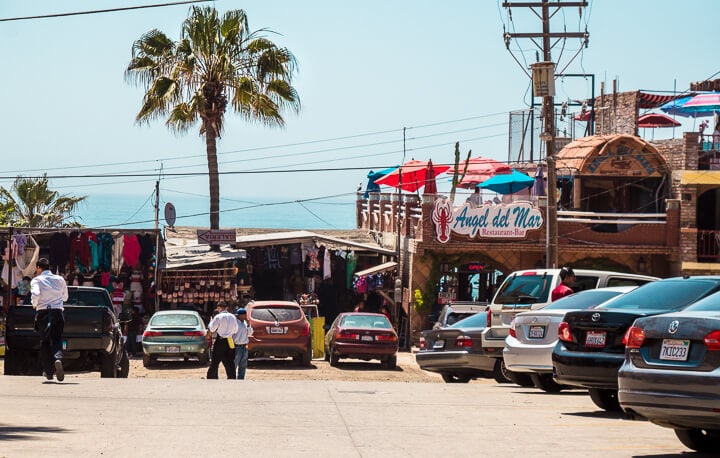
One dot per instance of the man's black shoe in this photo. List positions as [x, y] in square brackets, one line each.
[59, 371]
[47, 376]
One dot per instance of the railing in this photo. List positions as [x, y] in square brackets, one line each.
[611, 218]
[708, 245]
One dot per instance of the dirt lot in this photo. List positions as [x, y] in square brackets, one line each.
[270, 369]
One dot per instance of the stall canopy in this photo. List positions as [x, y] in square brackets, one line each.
[377, 269]
[277, 238]
[178, 256]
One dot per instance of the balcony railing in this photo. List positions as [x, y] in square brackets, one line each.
[708, 245]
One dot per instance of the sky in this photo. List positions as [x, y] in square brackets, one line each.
[369, 71]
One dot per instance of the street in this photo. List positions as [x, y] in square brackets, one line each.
[189, 416]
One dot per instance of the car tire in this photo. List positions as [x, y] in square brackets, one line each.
[391, 362]
[306, 358]
[108, 367]
[203, 358]
[500, 372]
[334, 358]
[10, 362]
[148, 360]
[454, 378]
[124, 370]
[700, 440]
[546, 383]
[326, 356]
[605, 399]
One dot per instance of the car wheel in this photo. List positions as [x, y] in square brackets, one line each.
[605, 399]
[455, 378]
[124, 369]
[500, 372]
[203, 358]
[334, 358]
[700, 440]
[391, 362]
[108, 367]
[10, 363]
[306, 358]
[327, 354]
[546, 383]
[148, 360]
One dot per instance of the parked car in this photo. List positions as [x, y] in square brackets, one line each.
[533, 335]
[591, 344]
[456, 311]
[671, 373]
[363, 336]
[280, 330]
[456, 353]
[175, 334]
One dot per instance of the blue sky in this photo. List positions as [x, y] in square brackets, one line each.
[366, 70]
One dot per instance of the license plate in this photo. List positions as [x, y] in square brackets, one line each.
[367, 338]
[675, 350]
[439, 344]
[277, 330]
[172, 349]
[595, 339]
[536, 332]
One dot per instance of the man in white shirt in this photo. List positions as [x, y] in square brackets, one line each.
[242, 338]
[224, 326]
[48, 292]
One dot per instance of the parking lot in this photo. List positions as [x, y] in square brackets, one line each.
[274, 414]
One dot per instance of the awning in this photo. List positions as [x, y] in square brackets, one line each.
[279, 238]
[194, 255]
[377, 269]
[648, 101]
[700, 177]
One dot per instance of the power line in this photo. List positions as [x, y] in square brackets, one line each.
[107, 10]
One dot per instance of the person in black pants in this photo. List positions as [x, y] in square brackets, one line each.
[48, 294]
[224, 325]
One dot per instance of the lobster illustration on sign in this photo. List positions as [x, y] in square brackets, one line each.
[442, 217]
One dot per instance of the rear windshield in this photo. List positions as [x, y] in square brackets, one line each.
[276, 313]
[91, 298]
[586, 300]
[663, 295]
[478, 320]
[708, 304]
[180, 319]
[365, 321]
[534, 288]
[454, 317]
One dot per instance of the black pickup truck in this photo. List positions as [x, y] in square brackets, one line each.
[92, 338]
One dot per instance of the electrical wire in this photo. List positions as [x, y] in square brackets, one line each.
[107, 10]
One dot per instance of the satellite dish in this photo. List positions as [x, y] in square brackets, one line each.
[170, 214]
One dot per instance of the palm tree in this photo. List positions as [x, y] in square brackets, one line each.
[30, 203]
[217, 60]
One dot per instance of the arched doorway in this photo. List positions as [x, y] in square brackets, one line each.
[708, 225]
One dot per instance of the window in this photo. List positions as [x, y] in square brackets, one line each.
[276, 313]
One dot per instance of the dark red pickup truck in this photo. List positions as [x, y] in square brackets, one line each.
[92, 339]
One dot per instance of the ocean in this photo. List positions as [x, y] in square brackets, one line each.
[134, 211]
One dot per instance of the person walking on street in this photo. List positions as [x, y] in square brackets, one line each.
[224, 326]
[241, 338]
[48, 292]
[567, 280]
[132, 329]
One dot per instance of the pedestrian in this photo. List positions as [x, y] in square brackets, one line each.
[360, 307]
[242, 338]
[567, 280]
[132, 329]
[48, 292]
[224, 326]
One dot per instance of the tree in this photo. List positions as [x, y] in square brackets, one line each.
[217, 60]
[30, 203]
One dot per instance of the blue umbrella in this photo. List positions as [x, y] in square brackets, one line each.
[677, 107]
[372, 176]
[508, 183]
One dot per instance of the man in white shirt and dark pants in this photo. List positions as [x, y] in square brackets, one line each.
[224, 326]
[241, 338]
[48, 292]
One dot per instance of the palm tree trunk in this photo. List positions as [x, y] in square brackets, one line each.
[213, 178]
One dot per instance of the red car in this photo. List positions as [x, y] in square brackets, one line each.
[280, 329]
[363, 336]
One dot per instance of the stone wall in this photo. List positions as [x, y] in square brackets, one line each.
[617, 113]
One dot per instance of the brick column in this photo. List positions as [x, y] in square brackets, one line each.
[672, 222]
[691, 149]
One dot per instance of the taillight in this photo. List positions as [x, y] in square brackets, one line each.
[386, 338]
[634, 337]
[489, 317]
[564, 332]
[512, 328]
[152, 334]
[421, 343]
[463, 341]
[347, 335]
[712, 341]
[305, 330]
[194, 333]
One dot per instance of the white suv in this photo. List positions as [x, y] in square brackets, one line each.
[530, 289]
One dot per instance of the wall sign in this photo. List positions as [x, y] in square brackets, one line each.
[485, 221]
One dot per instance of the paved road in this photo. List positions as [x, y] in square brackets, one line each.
[194, 417]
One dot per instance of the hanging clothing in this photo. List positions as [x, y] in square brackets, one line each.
[105, 248]
[327, 265]
[117, 254]
[59, 248]
[350, 261]
[147, 247]
[79, 251]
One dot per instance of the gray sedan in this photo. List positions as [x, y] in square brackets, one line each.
[175, 334]
[671, 373]
[533, 334]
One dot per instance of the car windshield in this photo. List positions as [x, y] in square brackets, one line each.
[708, 304]
[478, 320]
[179, 319]
[365, 321]
[273, 313]
[663, 295]
[524, 289]
[585, 300]
[89, 298]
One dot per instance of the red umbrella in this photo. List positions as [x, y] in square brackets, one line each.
[430, 184]
[413, 175]
[478, 170]
[652, 120]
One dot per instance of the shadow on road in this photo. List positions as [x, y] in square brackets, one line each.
[9, 433]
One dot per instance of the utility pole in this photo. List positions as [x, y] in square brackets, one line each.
[551, 254]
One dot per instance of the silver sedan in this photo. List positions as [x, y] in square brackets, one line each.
[533, 334]
[671, 373]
